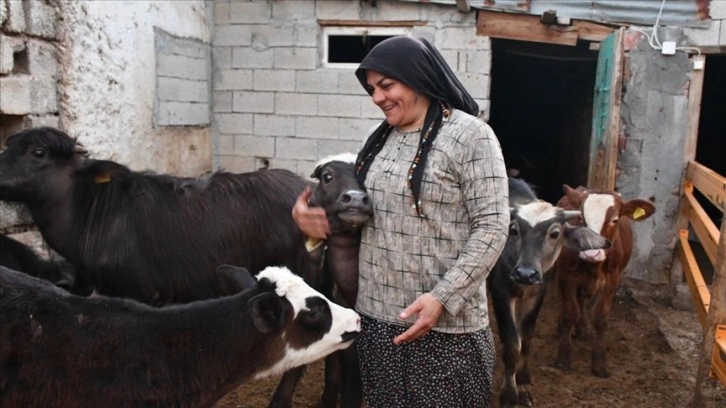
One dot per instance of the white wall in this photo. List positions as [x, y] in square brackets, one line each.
[108, 85]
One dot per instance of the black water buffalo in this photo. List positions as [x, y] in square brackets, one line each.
[62, 350]
[537, 232]
[348, 207]
[16, 255]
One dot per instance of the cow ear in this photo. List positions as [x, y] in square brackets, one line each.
[572, 198]
[578, 238]
[267, 312]
[234, 279]
[102, 171]
[637, 209]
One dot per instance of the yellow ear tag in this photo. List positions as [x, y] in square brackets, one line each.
[639, 212]
[102, 178]
[313, 243]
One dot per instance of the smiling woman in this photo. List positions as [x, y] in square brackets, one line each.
[436, 177]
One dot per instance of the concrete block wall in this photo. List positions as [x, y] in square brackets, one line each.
[715, 34]
[274, 103]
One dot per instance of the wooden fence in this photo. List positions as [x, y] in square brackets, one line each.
[710, 304]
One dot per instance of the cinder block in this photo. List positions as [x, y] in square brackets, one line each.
[248, 57]
[287, 164]
[15, 22]
[250, 12]
[330, 147]
[296, 104]
[222, 57]
[317, 127]
[356, 130]
[222, 101]
[15, 95]
[221, 13]
[167, 43]
[233, 123]
[51, 120]
[3, 12]
[273, 35]
[722, 36]
[248, 145]
[337, 10]
[274, 80]
[6, 52]
[307, 35]
[339, 105]
[233, 35]
[452, 58]
[295, 58]
[182, 114]
[348, 83]
[182, 67]
[233, 79]
[296, 148]
[316, 81]
[253, 102]
[704, 37]
[458, 38]
[41, 18]
[224, 145]
[369, 109]
[236, 164]
[440, 14]
[43, 59]
[293, 10]
[391, 11]
[476, 84]
[273, 125]
[717, 9]
[182, 90]
[478, 61]
[43, 95]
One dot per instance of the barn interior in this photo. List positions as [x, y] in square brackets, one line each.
[541, 111]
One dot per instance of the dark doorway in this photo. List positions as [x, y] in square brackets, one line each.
[711, 146]
[541, 111]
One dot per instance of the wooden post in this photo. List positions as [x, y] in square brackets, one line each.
[705, 387]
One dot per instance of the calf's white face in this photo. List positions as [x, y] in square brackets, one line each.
[319, 327]
[595, 210]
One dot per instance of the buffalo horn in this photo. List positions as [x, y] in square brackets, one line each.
[570, 214]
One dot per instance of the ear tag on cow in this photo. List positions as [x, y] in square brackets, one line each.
[101, 178]
[639, 212]
[313, 243]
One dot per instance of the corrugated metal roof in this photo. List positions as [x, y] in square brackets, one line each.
[685, 13]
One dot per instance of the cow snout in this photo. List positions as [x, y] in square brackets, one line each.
[526, 276]
[354, 198]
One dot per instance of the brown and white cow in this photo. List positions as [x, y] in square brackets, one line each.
[594, 274]
[537, 232]
[63, 350]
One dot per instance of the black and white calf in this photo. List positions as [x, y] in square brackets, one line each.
[63, 350]
[537, 232]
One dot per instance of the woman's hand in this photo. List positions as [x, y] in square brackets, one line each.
[428, 309]
[312, 221]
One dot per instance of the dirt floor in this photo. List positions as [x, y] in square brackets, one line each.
[653, 351]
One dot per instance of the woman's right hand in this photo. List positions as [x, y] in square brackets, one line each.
[312, 221]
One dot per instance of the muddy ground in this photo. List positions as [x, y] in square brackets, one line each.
[653, 352]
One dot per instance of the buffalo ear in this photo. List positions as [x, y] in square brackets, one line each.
[234, 279]
[578, 238]
[102, 171]
[267, 312]
[316, 172]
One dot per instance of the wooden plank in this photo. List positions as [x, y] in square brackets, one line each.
[523, 27]
[702, 225]
[616, 85]
[695, 92]
[709, 183]
[699, 290]
[589, 31]
[718, 364]
[360, 23]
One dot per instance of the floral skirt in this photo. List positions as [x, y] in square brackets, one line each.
[437, 370]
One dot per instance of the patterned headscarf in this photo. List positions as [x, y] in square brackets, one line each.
[418, 64]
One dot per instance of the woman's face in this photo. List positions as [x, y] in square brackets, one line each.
[402, 106]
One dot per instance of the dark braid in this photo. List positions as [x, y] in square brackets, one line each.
[436, 114]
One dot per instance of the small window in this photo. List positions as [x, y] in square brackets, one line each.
[345, 47]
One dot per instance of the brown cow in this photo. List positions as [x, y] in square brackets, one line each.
[594, 273]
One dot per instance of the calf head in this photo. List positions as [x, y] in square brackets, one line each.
[602, 211]
[341, 195]
[311, 326]
[537, 232]
[37, 159]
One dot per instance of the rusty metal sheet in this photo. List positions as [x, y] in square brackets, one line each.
[683, 13]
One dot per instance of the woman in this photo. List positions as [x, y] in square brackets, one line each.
[437, 179]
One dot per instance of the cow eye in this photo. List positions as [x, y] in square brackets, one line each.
[39, 152]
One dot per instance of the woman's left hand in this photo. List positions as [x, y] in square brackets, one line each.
[428, 309]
